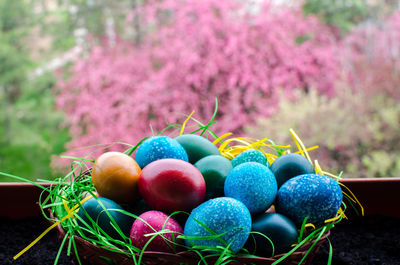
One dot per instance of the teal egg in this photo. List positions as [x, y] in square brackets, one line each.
[159, 147]
[288, 166]
[223, 216]
[278, 228]
[251, 155]
[197, 147]
[215, 169]
[96, 210]
[253, 184]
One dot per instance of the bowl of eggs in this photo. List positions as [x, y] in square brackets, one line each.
[196, 198]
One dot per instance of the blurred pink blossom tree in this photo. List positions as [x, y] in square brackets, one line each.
[371, 57]
[190, 53]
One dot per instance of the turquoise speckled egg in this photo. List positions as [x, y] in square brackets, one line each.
[159, 147]
[253, 184]
[315, 196]
[251, 155]
[222, 215]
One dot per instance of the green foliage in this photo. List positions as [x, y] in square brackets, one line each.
[343, 14]
[33, 133]
[356, 132]
[30, 128]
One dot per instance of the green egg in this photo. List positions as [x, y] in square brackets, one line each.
[214, 169]
[197, 147]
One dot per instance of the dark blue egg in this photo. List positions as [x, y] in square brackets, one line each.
[251, 155]
[222, 215]
[253, 184]
[278, 228]
[159, 147]
[317, 197]
[288, 166]
[96, 210]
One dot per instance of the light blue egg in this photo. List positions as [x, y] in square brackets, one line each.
[221, 215]
[253, 184]
[251, 155]
[315, 196]
[159, 147]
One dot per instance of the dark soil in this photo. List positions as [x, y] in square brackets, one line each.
[365, 241]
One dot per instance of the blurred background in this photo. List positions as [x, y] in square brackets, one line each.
[77, 75]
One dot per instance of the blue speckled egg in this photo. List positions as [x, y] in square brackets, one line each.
[315, 196]
[251, 155]
[221, 215]
[253, 184]
[159, 147]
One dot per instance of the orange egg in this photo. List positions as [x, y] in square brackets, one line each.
[115, 177]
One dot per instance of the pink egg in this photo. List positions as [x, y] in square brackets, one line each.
[158, 221]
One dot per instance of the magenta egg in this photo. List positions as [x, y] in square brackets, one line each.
[172, 185]
[151, 222]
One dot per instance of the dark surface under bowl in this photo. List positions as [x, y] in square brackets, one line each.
[366, 240]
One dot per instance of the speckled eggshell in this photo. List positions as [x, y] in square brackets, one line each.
[251, 155]
[158, 221]
[221, 215]
[315, 196]
[159, 147]
[253, 184]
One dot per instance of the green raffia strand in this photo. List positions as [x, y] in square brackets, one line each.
[270, 241]
[303, 226]
[78, 181]
[330, 252]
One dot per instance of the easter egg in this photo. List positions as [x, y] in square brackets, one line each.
[96, 210]
[253, 184]
[214, 169]
[172, 185]
[288, 166]
[222, 215]
[251, 155]
[278, 228]
[159, 147]
[317, 197]
[115, 176]
[197, 146]
[151, 222]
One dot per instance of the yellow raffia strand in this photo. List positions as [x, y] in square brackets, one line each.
[300, 145]
[310, 225]
[339, 214]
[318, 169]
[307, 149]
[231, 152]
[184, 123]
[352, 197]
[221, 137]
[69, 215]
